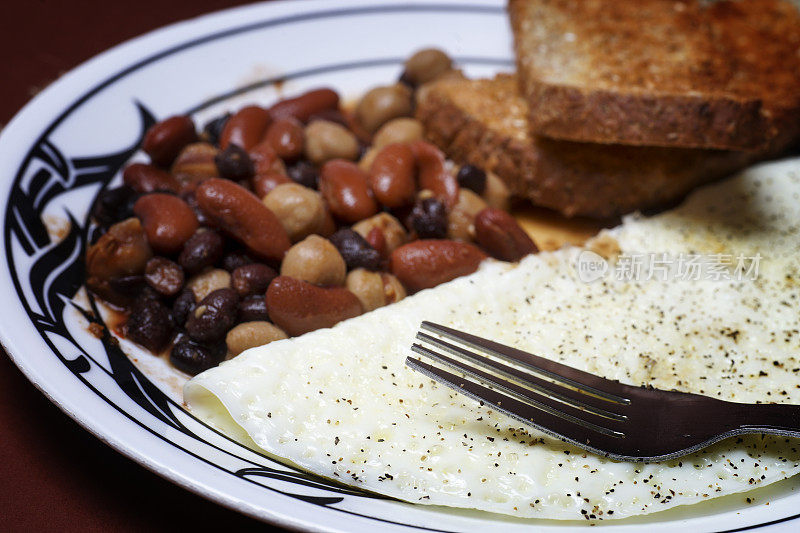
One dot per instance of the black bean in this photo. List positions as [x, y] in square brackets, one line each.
[429, 219]
[182, 306]
[234, 260]
[163, 275]
[355, 250]
[149, 324]
[213, 316]
[252, 279]
[203, 249]
[213, 128]
[234, 164]
[114, 205]
[472, 178]
[128, 285]
[253, 308]
[304, 173]
[193, 358]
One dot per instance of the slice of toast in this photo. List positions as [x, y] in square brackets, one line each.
[689, 73]
[484, 122]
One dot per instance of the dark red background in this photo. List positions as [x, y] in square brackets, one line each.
[53, 474]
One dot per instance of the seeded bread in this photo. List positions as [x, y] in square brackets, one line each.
[688, 73]
[484, 122]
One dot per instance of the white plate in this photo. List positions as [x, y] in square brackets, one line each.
[73, 138]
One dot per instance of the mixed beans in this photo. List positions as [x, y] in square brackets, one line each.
[273, 222]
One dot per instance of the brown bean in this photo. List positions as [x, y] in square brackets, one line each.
[168, 221]
[164, 140]
[265, 159]
[461, 218]
[209, 281]
[252, 279]
[241, 213]
[432, 173]
[305, 105]
[286, 137]
[381, 104]
[496, 193]
[374, 289]
[263, 184]
[301, 210]
[392, 176]
[426, 65]
[147, 178]
[315, 260]
[499, 234]
[398, 130]
[427, 263]
[165, 276]
[392, 231]
[245, 128]
[345, 188]
[298, 307]
[325, 140]
[122, 251]
[250, 335]
[195, 164]
[377, 240]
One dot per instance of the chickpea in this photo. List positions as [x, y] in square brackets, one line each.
[398, 130]
[382, 104]
[315, 260]
[426, 65]
[251, 334]
[393, 232]
[326, 140]
[300, 210]
[496, 192]
[461, 219]
[374, 289]
[208, 281]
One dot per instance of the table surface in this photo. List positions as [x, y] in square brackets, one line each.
[56, 475]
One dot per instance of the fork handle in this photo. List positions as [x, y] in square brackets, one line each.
[780, 419]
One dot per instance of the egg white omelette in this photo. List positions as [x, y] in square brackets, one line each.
[340, 402]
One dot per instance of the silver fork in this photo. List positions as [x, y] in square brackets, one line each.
[603, 416]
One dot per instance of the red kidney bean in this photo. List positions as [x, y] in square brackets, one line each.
[144, 178]
[240, 213]
[499, 234]
[392, 176]
[432, 174]
[305, 105]
[164, 140]
[298, 307]
[167, 220]
[245, 128]
[427, 263]
[286, 137]
[345, 188]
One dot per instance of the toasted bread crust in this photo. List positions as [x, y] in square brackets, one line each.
[483, 122]
[660, 73]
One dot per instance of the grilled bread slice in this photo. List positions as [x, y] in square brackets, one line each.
[484, 122]
[689, 73]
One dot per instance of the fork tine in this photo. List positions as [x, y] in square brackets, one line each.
[550, 421]
[566, 376]
[525, 380]
[539, 401]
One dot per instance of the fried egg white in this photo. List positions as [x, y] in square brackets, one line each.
[340, 402]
